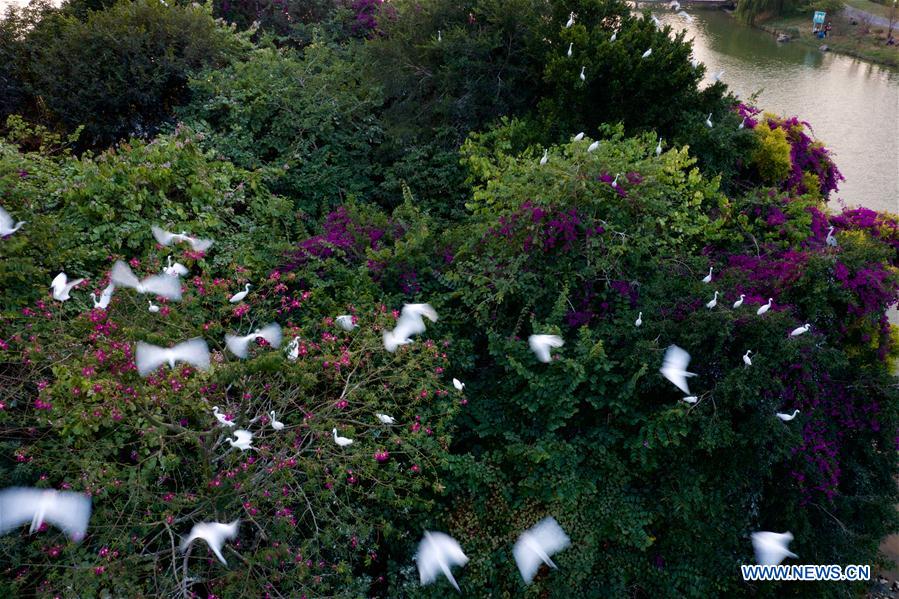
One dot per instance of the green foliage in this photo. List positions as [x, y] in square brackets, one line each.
[772, 154]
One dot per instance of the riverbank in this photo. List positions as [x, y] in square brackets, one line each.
[852, 34]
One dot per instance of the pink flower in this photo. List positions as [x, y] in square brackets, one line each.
[382, 456]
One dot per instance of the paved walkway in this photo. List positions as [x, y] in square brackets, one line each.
[862, 15]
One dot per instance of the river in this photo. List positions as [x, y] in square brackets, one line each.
[852, 105]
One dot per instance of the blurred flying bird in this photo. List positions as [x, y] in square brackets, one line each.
[771, 547]
[150, 357]
[535, 546]
[214, 533]
[165, 238]
[409, 323]
[541, 344]
[6, 223]
[674, 367]
[242, 440]
[345, 322]
[239, 346]
[166, 286]
[437, 553]
[61, 286]
[66, 510]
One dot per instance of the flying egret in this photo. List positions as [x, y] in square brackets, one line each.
[293, 349]
[771, 547]
[242, 439]
[583, 76]
[410, 323]
[714, 302]
[659, 147]
[214, 533]
[535, 546]
[166, 286]
[708, 121]
[545, 158]
[342, 441]
[739, 302]
[746, 359]
[593, 147]
[830, 239]
[223, 420]
[6, 223]
[800, 330]
[579, 136]
[152, 307]
[708, 277]
[437, 553]
[639, 321]
[685, 16]
[765, 308]
[278, 426]
[66, 510]
[237, 297]
[239, 346]
[150, 357]
[541, 344]
[385, 419]
[787, 417]
[674, 367]
[62, 287]
[570, 21]
[570, 49]
[690, 399]
[345, 322]
[459, 385]
[175, 270]
[105, 297]
[647, 53]
[165, 238]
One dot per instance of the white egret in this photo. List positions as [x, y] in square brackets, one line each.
[714, 302]
[223, 420]
[674, 5]
[742, 123]
[66, 510]
[541, 344]
[237, 297]
[150, 357]
[459, 385]
[342, 441]
[639, 321]
[685, 16]
[746, 359]
[345, 322]
[830, 239]
[800, 330]
[615, 181]
[659, 147]
[579, 136]
[765, 308]
[694, 62]
[787, 417]
[6, 223]
[439, 36]
[717, 76]
[165, 238]
[385, 419]
[647, 53]
[105, 297]
[655, 21]
[293, 349]
[739, 302]
[771, 547]
[583, 76]
[175, 270]
[674, 367]
[242, 439]
[570, 21]
[239, 346]
[708, 121]
[708, 277]
[545, 158]
[570, 49]
[535, 546]
[593, 147]
[152, 307]
[62, 287]
[214, 533]
[437, 553]
[278, 426]
[166, 286]
[409, 323]
[690, 399]
[614, 36]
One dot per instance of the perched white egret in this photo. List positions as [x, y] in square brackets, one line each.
[674, 367]
[765, 308]
[570, 21]
[165, 238]
[439, 36]
[690, 399]
[293, 349]
[708, 121]
[545, 157]
[615, 181]
[593, 147]
[6, 223]
[150, 357]
[342, 441]
[742, 123]
[278, 426]
[579, 136]
[830, 239]
[223, 420]
[771, 547]
[570, 49]
[152, 307]
[239, 346]
[800, 330]
[685, 16]
[739, 302]
[105, 297]
[384, 418]
[535, 546]
[214, 533]
[541, 344]
[62, 287]
[614, 36]
[787, 417]
[410, 323]
[655, 21]
[583, 75]
[66, 510]
[708, 277]
[746, 359]
[345, 322]
[717, 76]
[639, 321]
[175, 270]
[166, 286]
[242, 439]
[714, 302]
[437, 553]
[237, 297]
[459, 385]
[647, 53]
[659, 147]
